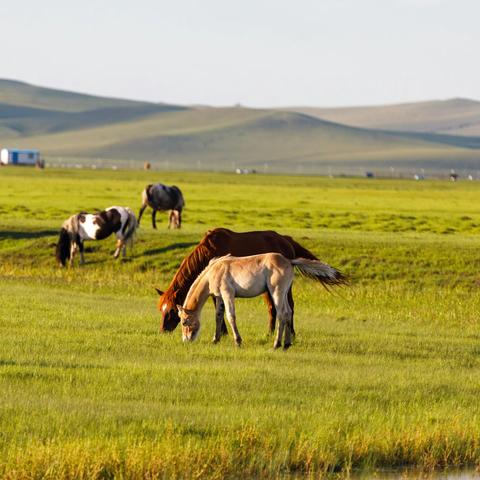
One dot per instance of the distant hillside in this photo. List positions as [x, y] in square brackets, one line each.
[23, 94]
[27, 110]
[169, 136]
[262, 139]
[456, 116]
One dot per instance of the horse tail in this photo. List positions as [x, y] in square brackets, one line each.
[146, 195]
[130, 227]
[62, 251]
[319, 271]
[300, 252]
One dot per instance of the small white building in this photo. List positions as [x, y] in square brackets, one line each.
[14, 156]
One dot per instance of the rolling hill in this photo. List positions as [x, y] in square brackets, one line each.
[21, 94]
[457, 116]
[104, 131]
[28, 110]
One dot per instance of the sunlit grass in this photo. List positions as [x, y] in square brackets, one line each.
[382, 374]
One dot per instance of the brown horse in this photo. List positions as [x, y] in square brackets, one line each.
[220, 242]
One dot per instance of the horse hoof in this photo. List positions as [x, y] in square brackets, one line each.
[287, 346]
[277, 345]
[215, 340]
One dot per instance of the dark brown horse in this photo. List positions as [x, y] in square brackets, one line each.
[161, 197]
[220, 242]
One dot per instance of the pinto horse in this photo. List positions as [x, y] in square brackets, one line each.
[97, 226]
[163, 197]
[228, 277]
[220, 242]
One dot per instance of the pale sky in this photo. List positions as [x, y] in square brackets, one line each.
[253, 52]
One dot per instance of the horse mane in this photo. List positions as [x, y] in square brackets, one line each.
[71, 223]
[193, 265]
[216, 259]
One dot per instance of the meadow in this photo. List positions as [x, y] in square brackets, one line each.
[383, 374]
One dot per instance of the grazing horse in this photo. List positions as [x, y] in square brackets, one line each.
[96, 226]
[163, 197]
[220, 242]
[246, 277]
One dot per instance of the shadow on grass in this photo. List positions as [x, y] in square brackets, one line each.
[23, 235]
[88, 262]
[168, 248]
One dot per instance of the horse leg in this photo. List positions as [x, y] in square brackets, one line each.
[220, 327]
[73, 250]
[119, 247]
[140, 213]
[179, 219]
[272, 312]
[220, 314]
[286, 318]
[82, 258]
[154, 214]
[228, 300]
[278, 339]
[280, 299]
[292, 308]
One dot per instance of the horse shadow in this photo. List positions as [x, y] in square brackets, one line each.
[168, 248]
[22, 235]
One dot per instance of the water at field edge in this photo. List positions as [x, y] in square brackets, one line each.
[418, 475]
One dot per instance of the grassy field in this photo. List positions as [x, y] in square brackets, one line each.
[382, 374]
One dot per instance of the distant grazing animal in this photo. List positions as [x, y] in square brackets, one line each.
[220, 242]
[246, 277]
[97, 226]
[163, 197]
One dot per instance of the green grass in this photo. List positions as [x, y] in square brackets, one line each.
[382, 374]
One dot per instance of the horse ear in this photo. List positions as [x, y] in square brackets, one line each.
[159, 291]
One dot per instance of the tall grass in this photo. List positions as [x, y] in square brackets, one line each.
[382, 374]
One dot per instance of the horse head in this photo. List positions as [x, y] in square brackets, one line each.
[175, 219]
[169, 318]
[62, 252]
[190, 323]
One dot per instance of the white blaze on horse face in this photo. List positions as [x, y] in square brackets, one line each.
[164, 307]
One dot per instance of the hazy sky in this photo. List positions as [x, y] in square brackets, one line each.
[253, 52]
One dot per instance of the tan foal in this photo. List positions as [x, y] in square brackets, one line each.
[228, 277]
